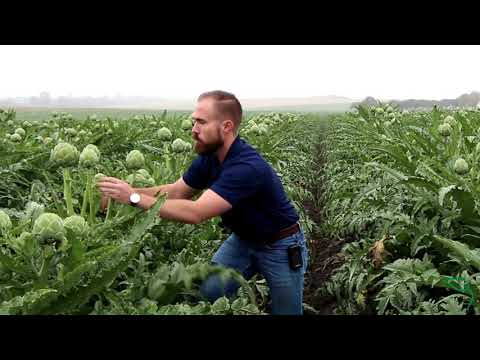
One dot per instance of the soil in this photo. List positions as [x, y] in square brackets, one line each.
[324, 257]
[325, 251]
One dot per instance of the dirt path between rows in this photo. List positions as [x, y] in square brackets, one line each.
[325, 257]
[325, 252]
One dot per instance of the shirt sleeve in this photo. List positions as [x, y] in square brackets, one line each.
[237, 183]
[196, 175]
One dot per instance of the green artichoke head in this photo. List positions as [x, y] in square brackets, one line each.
[450, 120]
[178, 145]
[135, 160]
[47, 140]
[76, 224]
[5, 222]
[33, 210]
[20, 132]
[141, 178]
[49, 226]
[164, 134]
[445, 129]
[461, 166]
[64, 154]
[186, 124]
[90, 156]
[15, 137]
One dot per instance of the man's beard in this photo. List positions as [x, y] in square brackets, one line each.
[204, 149]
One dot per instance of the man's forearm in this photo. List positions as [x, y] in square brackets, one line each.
[153, 191]
[179, 210]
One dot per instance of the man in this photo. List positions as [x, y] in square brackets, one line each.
[242, 188]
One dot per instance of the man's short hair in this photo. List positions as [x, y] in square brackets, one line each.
[226, 104]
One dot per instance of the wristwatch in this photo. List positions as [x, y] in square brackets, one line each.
[135, 199]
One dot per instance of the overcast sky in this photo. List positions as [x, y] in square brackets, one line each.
[261, 71]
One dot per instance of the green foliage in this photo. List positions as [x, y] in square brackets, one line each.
[123, 260]
[413, 182]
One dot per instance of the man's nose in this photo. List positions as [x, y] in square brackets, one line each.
[195, 129]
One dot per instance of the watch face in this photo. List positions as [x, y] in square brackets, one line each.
[135, 198]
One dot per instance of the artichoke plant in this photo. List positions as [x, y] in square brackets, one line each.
[27, 243]
[449, 119]
[186, 124]
[90, 156]
[141, 178]
[135, 160]
[33, 210]
[178, 146]
[15, 137]
[65, 155]
[49, 226]
[20, 132]
[76, 224]
[460, 166]
[445, 129]
[5, 222]
[164, 134]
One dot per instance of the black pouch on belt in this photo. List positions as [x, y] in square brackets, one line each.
[295, 256]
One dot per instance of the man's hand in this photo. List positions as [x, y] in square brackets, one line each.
[115, 189]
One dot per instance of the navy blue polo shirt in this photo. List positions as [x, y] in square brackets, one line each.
[260, 207]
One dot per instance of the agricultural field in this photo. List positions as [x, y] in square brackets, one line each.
[59, 254]
[400, 194]
[389, 201]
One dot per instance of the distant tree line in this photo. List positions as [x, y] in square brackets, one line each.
[465, 100]
[45, 100]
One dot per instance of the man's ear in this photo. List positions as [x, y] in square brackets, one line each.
[228, 125]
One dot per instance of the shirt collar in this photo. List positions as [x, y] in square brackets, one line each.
[233, 151]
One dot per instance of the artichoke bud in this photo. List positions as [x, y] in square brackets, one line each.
[70, 131]
[164, 134]
[64, 154]
[49, 226]
[27, 242]
[445, 129]
[15, 137]
[262, 129]
[178, 145]
[135, 160]
[76, 224]
[20, 132]
[186, 124]
[33, 210]
[141, 178]
[460, 166]
[5, 222]
[449, 119]
[89, 157]
[254, 129]
[98, 177]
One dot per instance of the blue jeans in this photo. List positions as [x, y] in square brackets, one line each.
[285, 284]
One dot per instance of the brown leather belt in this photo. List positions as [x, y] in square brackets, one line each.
[286, 232]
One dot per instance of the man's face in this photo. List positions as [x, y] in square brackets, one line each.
[207, 129]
